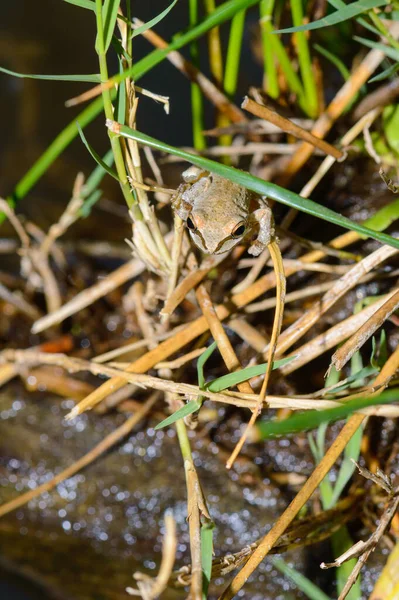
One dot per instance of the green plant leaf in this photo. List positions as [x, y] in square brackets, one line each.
[90, 191]
[337, 62]
[259, 186]
[223, 13]
[109, 14]
[94, 78]
[355, 380]
[83, 3]
[313, 418]
[302, 583]
[343, 14]
[387, 50]
[385, 74]
[379, 354]
[391, 126]
[153, 21]
[188, 409]
[231, 379]
[206, 555]
[201, 363]
[352, 451]
[96, 156]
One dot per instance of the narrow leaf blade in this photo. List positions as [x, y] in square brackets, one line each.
[153, 21]
[184, 411]
[91, 78]
[96, 156]
[89, 4]
[313, 418]
[201, 363]
[231, 379]
[343, 14]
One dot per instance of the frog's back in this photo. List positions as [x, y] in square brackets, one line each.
[217, 198]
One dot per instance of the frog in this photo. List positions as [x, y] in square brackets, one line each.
[218, 213]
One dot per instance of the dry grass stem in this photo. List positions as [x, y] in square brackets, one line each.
[19, 303]
[176, 254]
[330, 338]
[328, 460]
[345, 352]
[311, 290]
[288, 126]
[341, 287]
[334, 110]
[179, 362]
[383, 95]
[256, 126]
[111, 354]
[90, 295]
[199, 326]
[248, 149]
[219, 335]
[107, 443]
[364, 549]
[209, 89]
[32, 357]
[68, 217]
[153, 588]
[144, 321]
[248, 333]
[298, 535]
[7, 372]
[255, 271]
[278, 266]
[189, 282]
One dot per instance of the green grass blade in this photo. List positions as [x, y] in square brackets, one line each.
[234, 53]
[388, 50]
[355, 380]
[93, 78]
[83, 3]
[197, 100]
[352, 451]
[223, 13]
[206, 555]
[110, 14]
[263, 188]
[341, 541]
[386, 73]
[231, 379]
[343, 14]
[93, 181]
[96, 156]
[154, 21]
[201, 363]
[62, 140]
[305, 62]
[337, 62]
[384, 217]
[311, 419]
[302, 583]
[184, 411]
[269, 62]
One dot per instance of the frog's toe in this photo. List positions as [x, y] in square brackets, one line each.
[256, 248]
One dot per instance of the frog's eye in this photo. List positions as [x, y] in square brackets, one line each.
[191, 224]
[238, 230]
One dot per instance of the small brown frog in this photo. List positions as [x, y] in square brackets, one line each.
[218, 214]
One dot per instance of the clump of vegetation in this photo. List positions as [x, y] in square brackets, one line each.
[187, 306]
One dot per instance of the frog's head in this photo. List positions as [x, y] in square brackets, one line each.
[212, 235]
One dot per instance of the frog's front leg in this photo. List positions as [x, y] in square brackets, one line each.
[183, 203]
[264, 221]
[180, 204]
